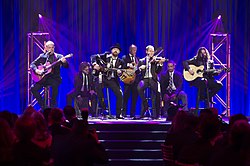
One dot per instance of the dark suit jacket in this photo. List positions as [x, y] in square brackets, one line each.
[102, 60]
[126, 60]
[155, 69]
[177, 79]
[78, 81]
[55, 74]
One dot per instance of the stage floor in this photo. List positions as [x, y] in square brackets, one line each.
[130, 121]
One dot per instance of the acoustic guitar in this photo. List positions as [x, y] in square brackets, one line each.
[128, 75]
[199, 71]
[46, 68]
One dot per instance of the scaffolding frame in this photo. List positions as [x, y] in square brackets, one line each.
[34, 39]
[216, 41]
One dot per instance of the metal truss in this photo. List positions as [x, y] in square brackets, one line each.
[220, 42]
[35, 44]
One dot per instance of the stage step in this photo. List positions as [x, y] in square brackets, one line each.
[132, 143]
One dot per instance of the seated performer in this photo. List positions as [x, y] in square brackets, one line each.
[51, 78]
[149, 68]
[130, 62]
[83, 89]
[171, 87]
[202, 58]
[106, 67]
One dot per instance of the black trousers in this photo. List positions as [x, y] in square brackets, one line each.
[113, 84]
[35, 89]
[130, 89]
[213, 86]
[86, 96]
[155, 95]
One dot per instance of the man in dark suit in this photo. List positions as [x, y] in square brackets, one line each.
[52, 79]
[130, 62]
[83, 90]
[171, 87]
[106, 67]
[150, 68]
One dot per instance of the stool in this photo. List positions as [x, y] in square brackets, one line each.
[199, 99]
[106, 99]
[47, 98]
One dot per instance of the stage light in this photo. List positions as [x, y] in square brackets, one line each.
[40, 16]
[219, 17]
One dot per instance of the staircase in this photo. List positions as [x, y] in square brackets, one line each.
[132, 143]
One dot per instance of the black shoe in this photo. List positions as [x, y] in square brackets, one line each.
[141, 118]
[110, 117]
[119, 117]
[133, 118]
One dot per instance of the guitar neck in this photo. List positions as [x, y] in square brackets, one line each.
[54, 63]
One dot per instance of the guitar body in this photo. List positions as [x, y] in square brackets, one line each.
[128, 76]
[46, 70]
[198, 72]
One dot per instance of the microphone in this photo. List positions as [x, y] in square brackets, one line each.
[47, 53]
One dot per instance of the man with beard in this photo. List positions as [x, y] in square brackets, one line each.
[109, 65]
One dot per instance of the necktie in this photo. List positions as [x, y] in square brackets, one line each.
[170, 82]
[86, 82]
[132, 59]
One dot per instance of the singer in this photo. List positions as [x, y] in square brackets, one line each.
[53, 77]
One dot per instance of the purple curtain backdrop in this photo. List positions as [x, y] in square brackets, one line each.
[92, 26]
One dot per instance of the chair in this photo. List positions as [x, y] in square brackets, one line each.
[168, 154]
[106, 99]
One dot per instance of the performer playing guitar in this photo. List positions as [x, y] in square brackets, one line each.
[202, 58]
[53, 77]
[109, 80]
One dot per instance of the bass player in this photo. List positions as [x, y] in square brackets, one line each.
[202, 58]
[52, 78]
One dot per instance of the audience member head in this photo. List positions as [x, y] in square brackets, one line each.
[56, 115]
[177, 123]
[235, 118]
[46, 113]
[9, 117]
[80, 127]
[239, 134]
[85, 113]
[25, 128]
[41, 124]
[209, 125]
[6, 134]
[29, 111]
[69, 112]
